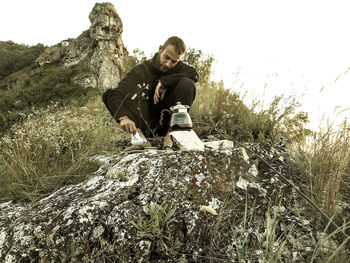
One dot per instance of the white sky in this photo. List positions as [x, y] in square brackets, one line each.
[294, 46]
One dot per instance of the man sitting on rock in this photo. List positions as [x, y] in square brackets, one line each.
[151, 87]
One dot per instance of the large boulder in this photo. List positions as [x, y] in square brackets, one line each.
[160, 206]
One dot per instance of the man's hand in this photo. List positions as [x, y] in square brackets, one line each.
[159, 92]
[128, 125]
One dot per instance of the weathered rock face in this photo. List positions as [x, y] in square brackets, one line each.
[186, 207]
[100, 49]
[106, 30]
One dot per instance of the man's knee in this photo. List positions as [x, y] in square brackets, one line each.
[105, 96]
[186, 82]
[187, 86]
[105, 99]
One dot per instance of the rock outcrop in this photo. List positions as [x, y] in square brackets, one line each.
[99, 49]
[160, 206]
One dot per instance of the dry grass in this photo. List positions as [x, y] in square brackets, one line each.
[221, 109]
[329, 163]
[52, 147]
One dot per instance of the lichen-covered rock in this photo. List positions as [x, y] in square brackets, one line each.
[158, 206]
[106, 31]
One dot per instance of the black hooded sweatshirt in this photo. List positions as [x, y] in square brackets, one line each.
[134, 95]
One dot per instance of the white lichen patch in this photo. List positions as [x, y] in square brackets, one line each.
[97, 232]
[273, 180]
[245, 155]
[132, 180]
[2, 241]
[243, 184]
[121, 235]
[5, 205]
[93, 182]
[69, 212]
[20, 232]
[129, 158]
[103, 159]
[85, 213]
[10, 259]
[127, 165]
[215, 203]
[253, 170]
[103, 205]
[70, 221]
[200, 177]
[173, 182]
[38, 232]
[113, 171]
[200, 157]
[192, 221]
[105, 192]
[223, 144]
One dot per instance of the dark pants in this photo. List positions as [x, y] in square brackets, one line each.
[148, 118]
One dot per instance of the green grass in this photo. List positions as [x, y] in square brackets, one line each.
[156, 227]
[45, 85]
[15, 57]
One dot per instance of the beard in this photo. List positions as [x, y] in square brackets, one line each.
[164, 68]
[160, 66]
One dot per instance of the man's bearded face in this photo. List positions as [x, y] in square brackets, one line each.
[167, 58]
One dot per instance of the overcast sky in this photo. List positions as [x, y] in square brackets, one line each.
[287, 47]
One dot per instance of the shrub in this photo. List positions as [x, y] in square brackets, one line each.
[40, 89]
[201, 62]
[131, 61]
[15, 57]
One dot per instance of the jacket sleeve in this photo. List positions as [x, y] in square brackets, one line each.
[120, 97]
[181, 70]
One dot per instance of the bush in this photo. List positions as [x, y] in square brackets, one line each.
[201, 62]
[131, 61]
[15, 57]
[44, 86]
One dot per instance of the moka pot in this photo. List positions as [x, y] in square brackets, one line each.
[180, 118]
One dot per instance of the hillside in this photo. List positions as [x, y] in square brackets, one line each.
[69, 194]
[33, 77]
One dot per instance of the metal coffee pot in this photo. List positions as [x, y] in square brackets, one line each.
[180, 119]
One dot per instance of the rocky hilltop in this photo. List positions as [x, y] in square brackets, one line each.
[100, 49]
[222, 204]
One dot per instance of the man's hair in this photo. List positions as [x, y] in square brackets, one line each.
[177, 43]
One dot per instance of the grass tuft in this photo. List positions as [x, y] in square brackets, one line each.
[52, 147]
